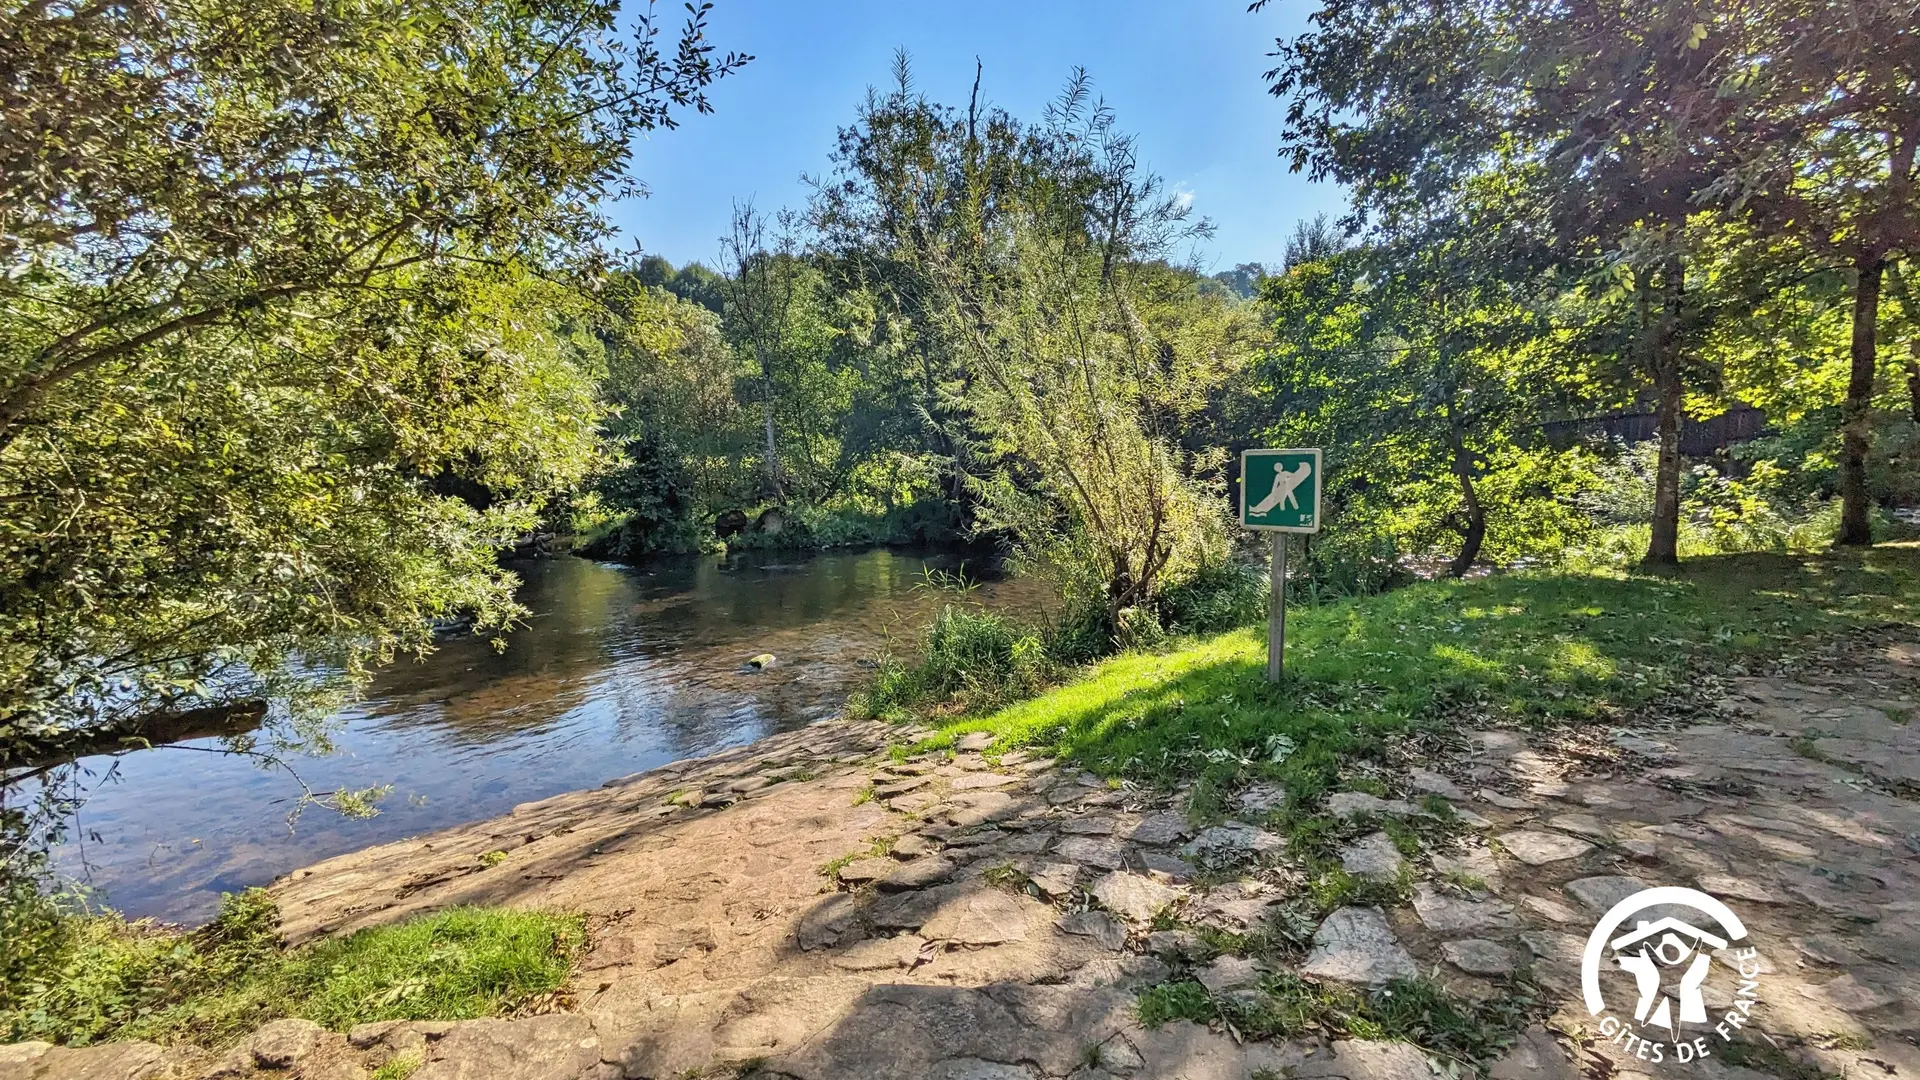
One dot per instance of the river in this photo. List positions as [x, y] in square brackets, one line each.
[619, 670]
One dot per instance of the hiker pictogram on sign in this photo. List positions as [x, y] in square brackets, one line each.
[1280, 490]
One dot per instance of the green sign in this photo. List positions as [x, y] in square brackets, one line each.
[1280, 490]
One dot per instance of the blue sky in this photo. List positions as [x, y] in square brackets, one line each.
[1182, 74]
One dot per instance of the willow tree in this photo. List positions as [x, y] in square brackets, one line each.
[1090, 355]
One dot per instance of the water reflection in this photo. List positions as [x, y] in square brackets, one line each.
[619, 669]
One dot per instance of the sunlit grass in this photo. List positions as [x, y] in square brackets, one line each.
[1531, 649]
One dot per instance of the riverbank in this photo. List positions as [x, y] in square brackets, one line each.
[617, 670]
[1407, 875]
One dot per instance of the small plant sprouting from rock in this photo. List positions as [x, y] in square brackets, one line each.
[400, 1067]
[491, 859]
[1007, 876]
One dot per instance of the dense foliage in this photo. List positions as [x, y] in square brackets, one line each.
[289, 340]
[1657, 185]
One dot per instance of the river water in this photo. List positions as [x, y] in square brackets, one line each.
[620, 669]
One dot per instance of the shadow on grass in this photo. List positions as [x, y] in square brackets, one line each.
[1531, 648]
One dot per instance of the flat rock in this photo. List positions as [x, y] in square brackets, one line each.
[1552, 909]
[1428, 782]
[1541, 848]
[1097, 925]
[879, 954]
[1184, 943]
[1477, 956]
[1446, 914]
[1355, 945]
[1581, 825]
[862, 871]
[1536, 1055]
[557, 1046]
[1159, 829]
[1597, 894]
[1503, 801]
[1102, 854]
[281, 1044]
[1088, 825]
[1741, 888]
[1160, 864]
[1236, 906]
[982, 781]
[1475, 862]
[917, 874]
[1232, 842]
[826, 922]
[1055, 879]
[1133, 897]
[1346, 804]
[1261, 798]
[23, 1053]
[1373, 857]
[981, 807]
[894, 787]
[1229, 973]
[973, 742]
[910, 846]
[914, 802]
[978, 1069]
[1848, 994]
[979, 917]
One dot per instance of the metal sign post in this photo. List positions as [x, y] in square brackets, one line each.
[1280, 493]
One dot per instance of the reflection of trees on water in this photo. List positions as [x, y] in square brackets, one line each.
[619, 670]
[657, 653]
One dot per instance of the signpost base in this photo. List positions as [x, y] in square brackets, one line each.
[1277, 611]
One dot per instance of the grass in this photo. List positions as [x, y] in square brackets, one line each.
[1532, 649]
[116, 980]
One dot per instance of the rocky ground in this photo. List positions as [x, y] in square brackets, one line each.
[812, 908]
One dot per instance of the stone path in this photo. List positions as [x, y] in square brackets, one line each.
[809, 909]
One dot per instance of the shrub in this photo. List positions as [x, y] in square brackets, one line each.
[972, 658]
[1215, 597]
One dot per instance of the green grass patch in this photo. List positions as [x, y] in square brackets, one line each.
[111, 979]
[1527, 648]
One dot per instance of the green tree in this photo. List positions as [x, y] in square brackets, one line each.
[1424, 360]
[1824, 141]
[1091, 355]
[277, 379]
[1619, 104]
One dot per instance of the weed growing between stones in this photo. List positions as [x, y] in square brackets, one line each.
[1767, 1058]
[1417, 1011]
[400, 1067]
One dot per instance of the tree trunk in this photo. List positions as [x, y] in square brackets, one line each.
[773, 455]
[1913, 381]
[1475, 533]
[41, 751]
[1856, 424]
[1663, 545]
